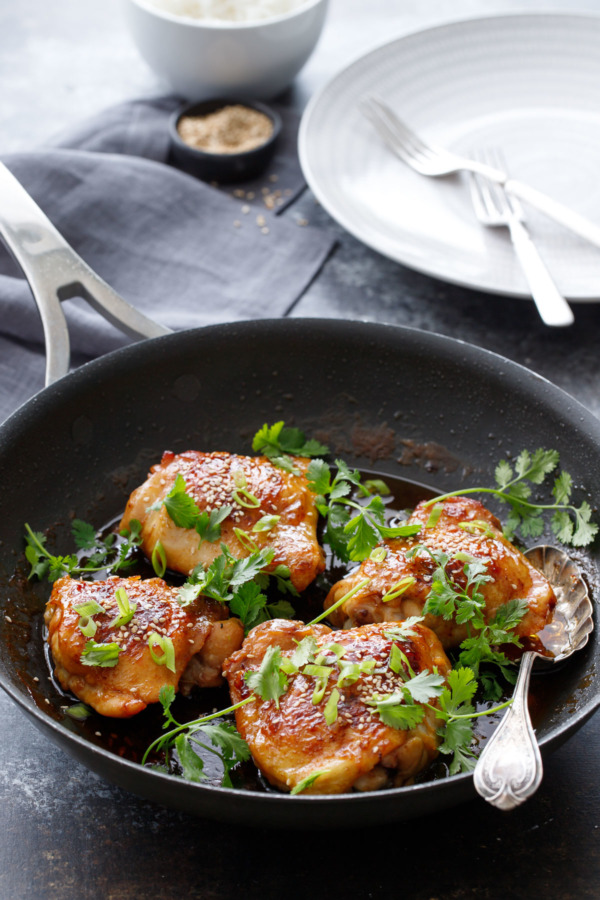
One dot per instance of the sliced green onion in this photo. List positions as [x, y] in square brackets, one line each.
[434, 515]
[399, 661]
[245, 540]
[239, 478]
[89, 608]
[306, 782]
[477, 526]
[245, 498]
[104, 655]
[399, 588]
[126, 609]
[331, 707]
[321, 673]
[396, 659]
[378, 554]
[357, 587]
[78, 711]
[159, 559]
[165, 644]
[87, 626]
[376, 486]
[288, 667]
[349, 673]
[461, 556]
[266, 523]
[337, 649]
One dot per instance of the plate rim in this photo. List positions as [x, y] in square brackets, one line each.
[344, 220]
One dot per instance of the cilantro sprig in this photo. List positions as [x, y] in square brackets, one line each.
[352, 529]
[279, 444]
[185, 512]
[97, 553]
[456, 594]
[241, 584]
[225, 741]
[571, 524]
[456, 711]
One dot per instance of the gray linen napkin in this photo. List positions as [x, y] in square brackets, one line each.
[182, 251]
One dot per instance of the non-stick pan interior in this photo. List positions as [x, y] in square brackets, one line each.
[395, 400]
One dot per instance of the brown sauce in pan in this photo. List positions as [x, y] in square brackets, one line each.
[129, 738]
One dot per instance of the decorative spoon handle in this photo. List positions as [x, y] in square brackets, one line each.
[510, 769]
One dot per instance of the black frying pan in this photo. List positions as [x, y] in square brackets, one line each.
[83, 443]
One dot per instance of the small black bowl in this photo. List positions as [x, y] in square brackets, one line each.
[223, 168]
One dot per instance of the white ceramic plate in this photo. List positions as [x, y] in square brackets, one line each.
[527, 83]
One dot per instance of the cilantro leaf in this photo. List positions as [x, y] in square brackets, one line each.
[396, 713]
[571, 524]
[191, 763]
[181, 507]
[208, 523]
[269, 682]
[425, 686]
[248, 604]
[457, 733]
[279, 443]
[84, 534]
[166, 696]
[304, 652]
[460, 691]
[231, 746]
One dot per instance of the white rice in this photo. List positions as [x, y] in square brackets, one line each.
[227, 10]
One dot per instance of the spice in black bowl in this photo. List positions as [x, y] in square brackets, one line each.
[223, 140]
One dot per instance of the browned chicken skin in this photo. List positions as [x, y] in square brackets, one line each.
[513, 576]
[292, 740]
[211, 480]
[202, 637]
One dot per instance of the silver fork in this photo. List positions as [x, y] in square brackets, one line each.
[495, 208]
[431, 160]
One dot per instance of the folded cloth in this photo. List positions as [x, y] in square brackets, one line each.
[183, 252]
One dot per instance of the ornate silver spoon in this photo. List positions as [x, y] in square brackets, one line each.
[510, 768]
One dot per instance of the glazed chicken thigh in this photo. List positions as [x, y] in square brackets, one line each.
[201, 635]
[253, 487]
[466, 527]
[290, 738]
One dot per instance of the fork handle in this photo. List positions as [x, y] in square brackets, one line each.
[510, 768]
[556, 211]
[551, 305]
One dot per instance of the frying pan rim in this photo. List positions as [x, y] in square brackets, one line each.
[343, 328]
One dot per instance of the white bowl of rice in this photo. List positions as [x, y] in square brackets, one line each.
[249, 49]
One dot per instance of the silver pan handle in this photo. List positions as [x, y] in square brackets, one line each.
[55, 273]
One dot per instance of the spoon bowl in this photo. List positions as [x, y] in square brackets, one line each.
[510, 768]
